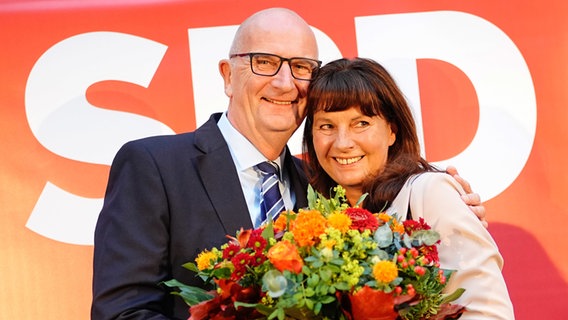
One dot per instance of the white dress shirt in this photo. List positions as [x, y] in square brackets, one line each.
[245, 156]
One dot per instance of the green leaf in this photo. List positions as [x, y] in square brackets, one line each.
[281, 314]
[426, 237]
[317, 307]
[342, 286]
[384, 236]
[310, 259]
[309, 292]
[325, 274]
[332, 289]
[335, 268]
[326, 204]
[453, 296]
[371, 283]
[221, 273]
[191, 295]
[306, 270]
[361, 199]
[191, 266]
[407, 241]
[313, 280]
[323, 289]
[268, 231]
[327, 299]
[246, 305]
[273, 315]
[312, 197]
[310, 304]
[263, 309]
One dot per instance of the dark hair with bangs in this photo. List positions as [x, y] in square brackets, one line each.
[338, 89]
[364, 83]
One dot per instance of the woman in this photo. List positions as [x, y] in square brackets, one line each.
[360, 134]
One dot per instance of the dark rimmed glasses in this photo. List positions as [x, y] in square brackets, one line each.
[267, 64]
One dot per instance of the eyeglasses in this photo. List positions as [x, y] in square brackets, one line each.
[267, 64]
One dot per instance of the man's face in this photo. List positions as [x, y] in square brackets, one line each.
[262, 106]
[273, 103]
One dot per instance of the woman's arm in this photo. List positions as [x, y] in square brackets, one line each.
[466, 246]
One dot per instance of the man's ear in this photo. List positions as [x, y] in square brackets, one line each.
[225, 70]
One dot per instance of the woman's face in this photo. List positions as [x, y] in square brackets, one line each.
[350, 146]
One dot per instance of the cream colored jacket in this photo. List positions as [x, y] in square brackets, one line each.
[466, 246]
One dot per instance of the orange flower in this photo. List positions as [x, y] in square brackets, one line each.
[397, 227]
[283, 219]
[384, 217]
[385, 271]
[284, 256]
[309, 225]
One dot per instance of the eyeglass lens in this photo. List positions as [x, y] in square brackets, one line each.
[269, 65]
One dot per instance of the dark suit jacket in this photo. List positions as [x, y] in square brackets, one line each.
[168, 198]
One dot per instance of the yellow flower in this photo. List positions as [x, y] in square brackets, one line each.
[339, 221]
[204, 259]
[332, 238]
[327, 243]
[385, 271]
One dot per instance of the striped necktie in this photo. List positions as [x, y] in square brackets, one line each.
[271, 202]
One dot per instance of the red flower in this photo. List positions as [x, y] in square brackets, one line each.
[256, 242]
[231, 250]
[240, 261]
[413, 225]
[222, 305]
[430, 252]
[257, 259]
[362, 219]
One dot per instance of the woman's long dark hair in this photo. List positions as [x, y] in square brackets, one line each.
[344, 83]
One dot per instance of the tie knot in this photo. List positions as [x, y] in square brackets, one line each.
[268, 168]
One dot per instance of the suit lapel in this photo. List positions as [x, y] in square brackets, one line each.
[220, 178]
[298, 180]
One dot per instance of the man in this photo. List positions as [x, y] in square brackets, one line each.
[168, 198]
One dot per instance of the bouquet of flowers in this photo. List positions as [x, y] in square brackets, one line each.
[329, 261]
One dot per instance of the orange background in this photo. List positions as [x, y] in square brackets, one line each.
[43, 278]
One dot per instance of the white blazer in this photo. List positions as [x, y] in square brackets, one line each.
[466, 246]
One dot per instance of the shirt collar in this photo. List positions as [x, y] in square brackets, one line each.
[244, 153]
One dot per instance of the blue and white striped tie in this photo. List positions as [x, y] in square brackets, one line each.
[271, 202]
